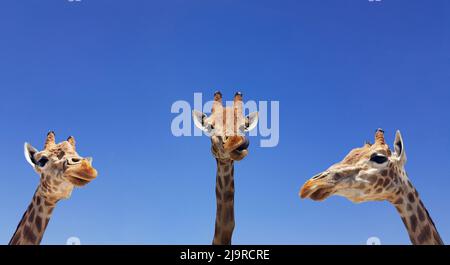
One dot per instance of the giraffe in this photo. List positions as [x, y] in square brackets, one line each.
[226, 127]
[374, 173]
[60, 169]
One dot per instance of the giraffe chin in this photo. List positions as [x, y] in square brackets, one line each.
[79, 182]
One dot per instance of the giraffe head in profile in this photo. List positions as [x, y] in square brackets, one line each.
[375, 173]
[227, 127]
[60, 167]
[369, 173]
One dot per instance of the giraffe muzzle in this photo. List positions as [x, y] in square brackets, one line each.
[244, 145]
[241, 151]
[316, 189]
[81, 173]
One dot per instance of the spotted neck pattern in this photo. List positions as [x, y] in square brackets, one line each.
[34, 221]
[415, 217]
[225, 202]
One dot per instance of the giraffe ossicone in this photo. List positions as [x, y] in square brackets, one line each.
[61, 169]
[226, 126]
[375, 173]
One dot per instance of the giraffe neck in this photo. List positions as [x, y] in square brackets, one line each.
[225, 202]
[34, 221]
[415, 217]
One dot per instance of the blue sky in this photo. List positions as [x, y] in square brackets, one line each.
[108, 72]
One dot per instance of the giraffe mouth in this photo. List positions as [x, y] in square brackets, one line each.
[78, 181]
[244, 145]
[241, 151]
[234, 148]
[81, 174]
[236, 143]
[316, 190]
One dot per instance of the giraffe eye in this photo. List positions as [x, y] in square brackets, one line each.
[377, 158]
[42, 161]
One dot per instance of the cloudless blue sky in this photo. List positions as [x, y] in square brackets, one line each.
[108, 72]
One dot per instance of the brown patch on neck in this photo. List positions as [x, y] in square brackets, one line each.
[31, 228]
[224, 225]
[418, 222]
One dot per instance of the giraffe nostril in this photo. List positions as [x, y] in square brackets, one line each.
[74, 160]
[337, 176]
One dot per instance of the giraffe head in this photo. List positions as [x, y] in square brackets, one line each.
[368, 173]
[60, 167]
[227, 127]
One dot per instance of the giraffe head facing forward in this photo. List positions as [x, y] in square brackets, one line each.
[227, 127]
[60, 167]
[368, 173]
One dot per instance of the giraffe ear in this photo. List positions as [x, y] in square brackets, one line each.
[399, 147]
[199, 118]
[29, 152]
[251, 121]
